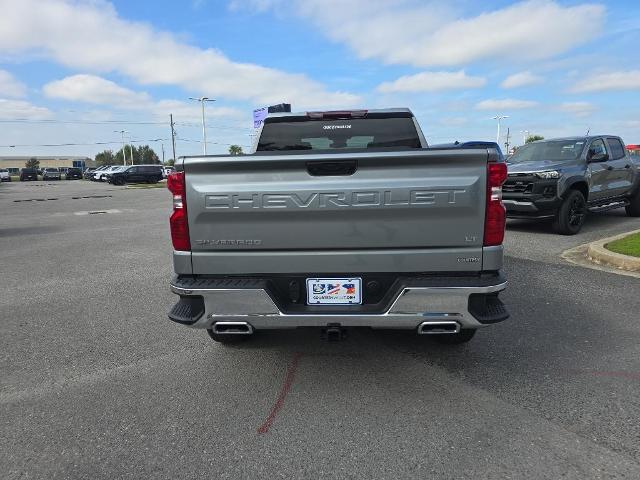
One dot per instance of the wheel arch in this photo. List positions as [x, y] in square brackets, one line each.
[576, 183]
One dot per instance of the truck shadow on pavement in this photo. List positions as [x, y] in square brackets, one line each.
[594, 222]
[550, 357]
[551, 330]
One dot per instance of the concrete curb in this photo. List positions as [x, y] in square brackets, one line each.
[597, 253]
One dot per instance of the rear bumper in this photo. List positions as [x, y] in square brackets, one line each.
[470, 304]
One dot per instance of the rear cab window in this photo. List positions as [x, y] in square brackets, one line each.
[332, 131]
[616, 147]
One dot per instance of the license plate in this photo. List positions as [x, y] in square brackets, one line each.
[334, 291]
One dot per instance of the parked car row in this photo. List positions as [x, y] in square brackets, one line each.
[126, 173]
[122, 174]
[48, 173]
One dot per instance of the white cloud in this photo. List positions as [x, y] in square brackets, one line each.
[100, 91]
[521, 79]
[94, 89]
[579, 109]
[191, 111]
[627, 80]
[505, 104]
[432, 82]
[431, 33]
[10, 86]
[12, 109]
[92, 37]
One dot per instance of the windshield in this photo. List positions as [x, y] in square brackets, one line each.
[552, 150]
[339, 134]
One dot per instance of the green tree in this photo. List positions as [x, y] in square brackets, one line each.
[105, 158]
[170, 163]
[129, 150]
[235, 150]
[533, 138]
[146, 155]
[33, 162]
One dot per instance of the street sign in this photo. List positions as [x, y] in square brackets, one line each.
[258, 116]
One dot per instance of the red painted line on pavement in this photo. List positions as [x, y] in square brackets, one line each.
[284, 391]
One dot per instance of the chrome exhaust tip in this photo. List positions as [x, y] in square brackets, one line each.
[232, 328]
[438, 328]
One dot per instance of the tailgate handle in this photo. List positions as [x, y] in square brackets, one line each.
[320, 169]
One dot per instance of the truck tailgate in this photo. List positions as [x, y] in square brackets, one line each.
[376, 211]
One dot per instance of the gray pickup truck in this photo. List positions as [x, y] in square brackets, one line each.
[340, 219]
[563, 178]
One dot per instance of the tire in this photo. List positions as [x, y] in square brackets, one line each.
[119, 181]
[455, 338]
[633, 209]
[571, 214]
[228, 339]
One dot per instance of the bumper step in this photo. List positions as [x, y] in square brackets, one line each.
[487, 309]
[188, 310]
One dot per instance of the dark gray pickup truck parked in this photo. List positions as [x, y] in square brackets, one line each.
[563, 178]
[340, 219]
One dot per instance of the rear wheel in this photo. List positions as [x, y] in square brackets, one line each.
[227, 339]
[633, 209]
[455, 338]
[571, 214]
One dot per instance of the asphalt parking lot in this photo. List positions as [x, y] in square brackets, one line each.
[96, 382]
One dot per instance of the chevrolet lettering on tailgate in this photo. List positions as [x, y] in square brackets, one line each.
[315, 200]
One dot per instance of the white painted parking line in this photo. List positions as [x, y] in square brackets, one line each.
[97, 212]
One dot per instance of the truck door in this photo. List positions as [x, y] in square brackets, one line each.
[622, 173]
[599, 169]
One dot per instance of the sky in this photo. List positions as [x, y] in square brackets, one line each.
[74, 74]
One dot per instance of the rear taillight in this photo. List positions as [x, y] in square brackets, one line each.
[178, 221]
[495, 217]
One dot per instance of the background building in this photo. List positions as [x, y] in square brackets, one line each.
[15, 162]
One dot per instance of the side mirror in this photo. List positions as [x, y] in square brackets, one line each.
[599, 157]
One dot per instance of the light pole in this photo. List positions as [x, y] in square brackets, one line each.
[204, 128]
[131, 148]
[498, 118]
[525, 134]
[161, 146]
[124, 152]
